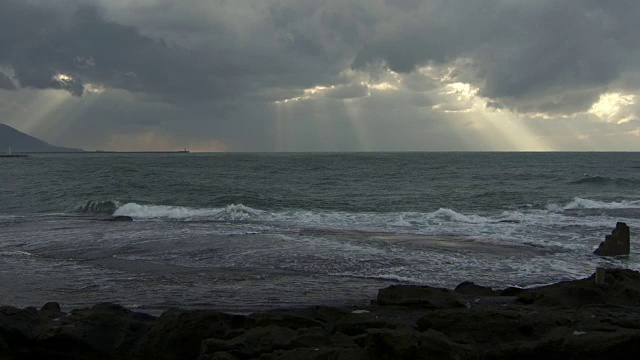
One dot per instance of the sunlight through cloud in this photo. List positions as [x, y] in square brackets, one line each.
[614, 107]
[62, 78]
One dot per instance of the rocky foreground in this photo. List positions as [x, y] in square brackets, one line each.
[569, 320]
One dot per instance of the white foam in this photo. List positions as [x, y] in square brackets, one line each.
[450, 215]
[231, 212]
[530, 226]
[14, 253]
[580, 203]
[394, 278]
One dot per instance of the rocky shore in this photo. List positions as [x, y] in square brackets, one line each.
[568, 320]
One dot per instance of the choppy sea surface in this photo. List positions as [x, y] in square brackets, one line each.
[247, 232]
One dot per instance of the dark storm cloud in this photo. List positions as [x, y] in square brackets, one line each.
[221, 69]
[519, 49]
[81, 43]
[290, 46]
[5, 82]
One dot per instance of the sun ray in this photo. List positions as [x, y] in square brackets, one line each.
[33, 116]
[355, 114]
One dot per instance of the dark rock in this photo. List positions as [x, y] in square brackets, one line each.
[567, 343]
[104, 329]
[622, 288]
[511, 291]
[252, 343]
[21, 327]
[282, 343]
[178, 334]
[120, 218]
[470, 289]
[284, 319]
[327, 315]
[568, 320]
[311, 338]
[424, 296]
[218, 356]
[3, 345]
[489, 328]
[322, 354]
[407, 343]
[357, 324]
[52, 311]
[618, 243]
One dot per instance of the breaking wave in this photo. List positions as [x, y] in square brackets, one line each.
[453, 216]
[580, 203]
[437, 222]
[99, 207]
[305, 218]
[228, 213]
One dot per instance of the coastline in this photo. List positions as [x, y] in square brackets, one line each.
[572, 319]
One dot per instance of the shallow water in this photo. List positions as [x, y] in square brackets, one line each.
[243, 232]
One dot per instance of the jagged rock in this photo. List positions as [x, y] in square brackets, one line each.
[573, 319]
[470, 289]
[618, 243]
[283, 319]
[218, 356]
[120, 218]
[424, 296]
[252, 343]
[178, 334]
[622, 288]
[589, 337]
[353, 325]
[4, 347]
[21, 327]
[321, 354]
[326, 315]
[275, 342]
[511, 291]
[486, 328]
[407, 343]
[104, 329]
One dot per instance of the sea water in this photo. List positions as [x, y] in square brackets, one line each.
[247, 232]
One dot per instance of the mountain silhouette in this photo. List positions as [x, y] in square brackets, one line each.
[21, 142]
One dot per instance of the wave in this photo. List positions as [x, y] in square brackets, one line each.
[450, 215]
[229, 213]
[580, 203]
[605, 180]
[16, 253]
[438, 222]
[99, 207]
[304, 218]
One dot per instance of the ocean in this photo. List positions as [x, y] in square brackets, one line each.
[251, 232]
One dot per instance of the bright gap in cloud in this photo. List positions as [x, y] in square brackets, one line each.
[386, 80]
[614, 107]
[94, 89]
[62, 78]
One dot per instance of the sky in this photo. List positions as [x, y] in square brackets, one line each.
[323, 75]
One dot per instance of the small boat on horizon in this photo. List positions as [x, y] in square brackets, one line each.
[185, 151]
[10, 154]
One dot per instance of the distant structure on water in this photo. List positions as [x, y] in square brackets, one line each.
[10, 154]
[185, 151]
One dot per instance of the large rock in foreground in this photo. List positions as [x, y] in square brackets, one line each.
[424, 296]
[568, 320]
[618, 243]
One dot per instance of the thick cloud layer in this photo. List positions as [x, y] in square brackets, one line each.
[285, 74]
[522, 52]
